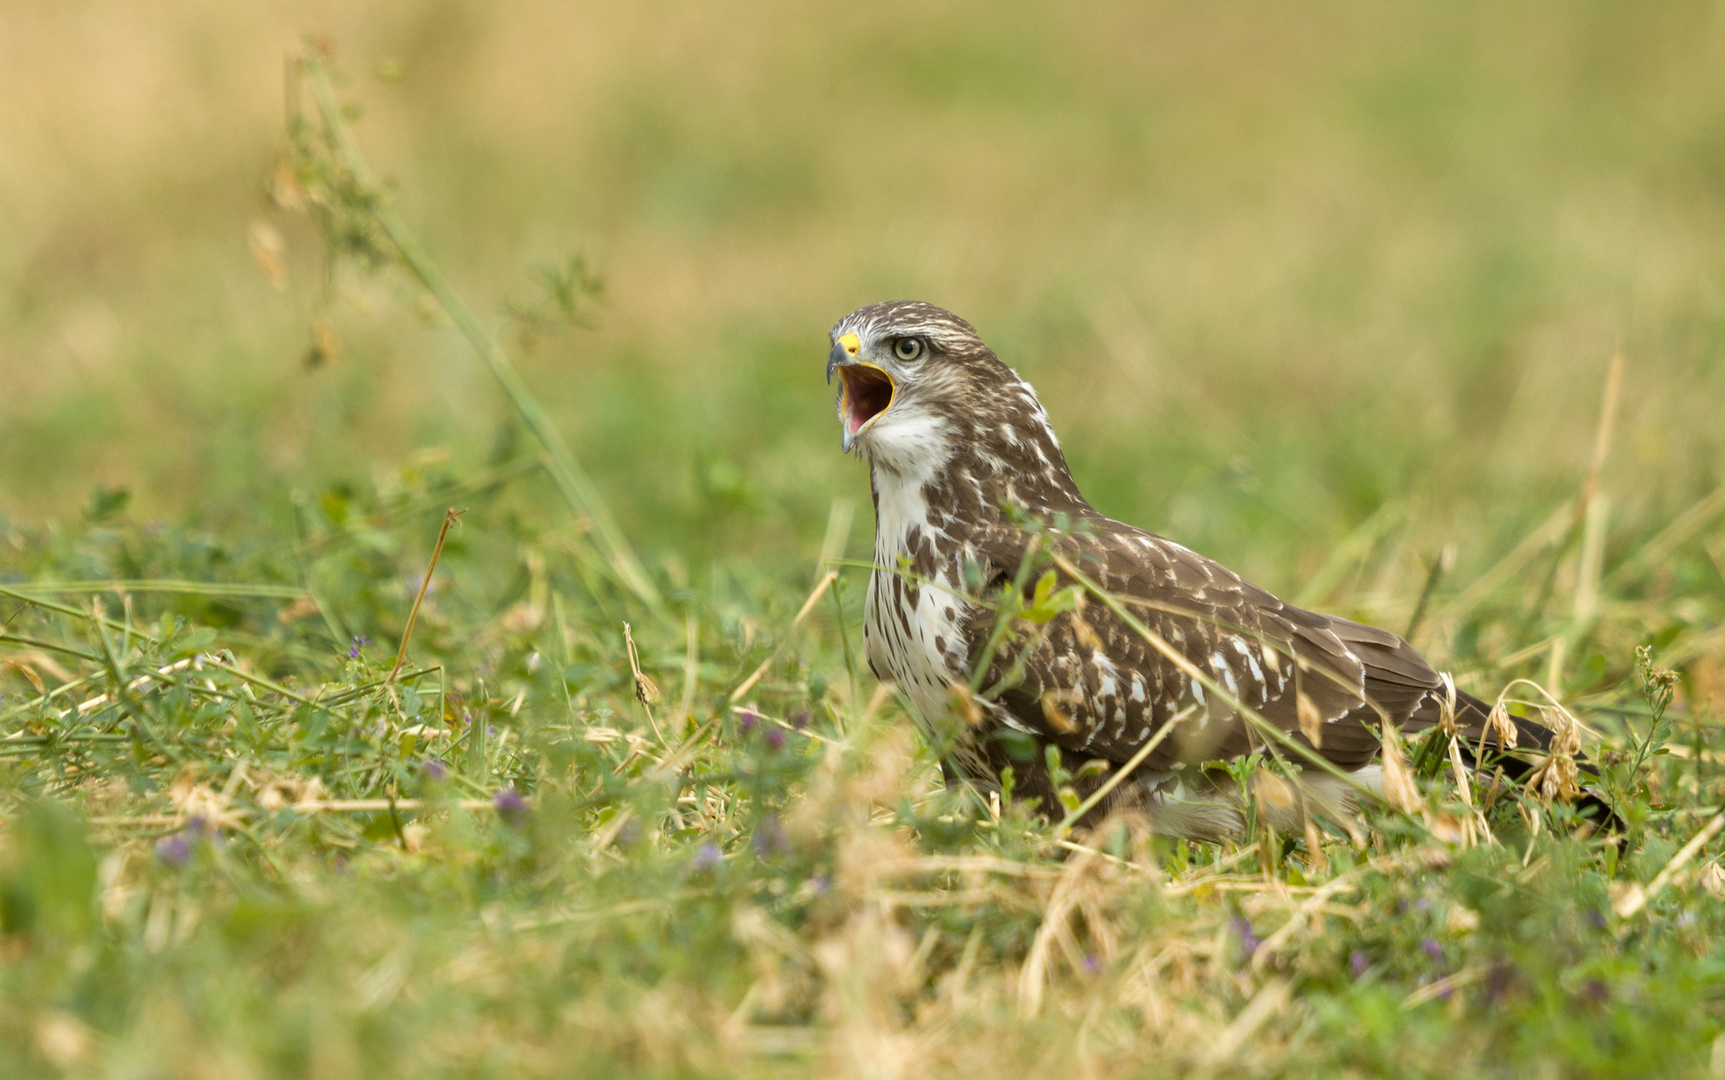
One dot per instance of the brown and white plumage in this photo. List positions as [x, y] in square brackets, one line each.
[966, 474]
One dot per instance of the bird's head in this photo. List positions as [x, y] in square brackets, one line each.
[901, 371]
[919, 391]
[913, 376]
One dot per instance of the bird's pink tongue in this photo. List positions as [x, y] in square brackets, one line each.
[868, 392]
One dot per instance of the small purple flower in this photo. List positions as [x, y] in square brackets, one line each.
[1359, 963]
[175, 850]
[747, 719]
[511, 807]
[1432, 949]
[1596, 919]
[769, 836]
[819, 885]
[775, 738]
[707, 858]
[1422, 905]
[799, 717]
[197, 827]
[1249, 941]
[433, 769]
[1091, 964]
[1595, 994]
[360, 641]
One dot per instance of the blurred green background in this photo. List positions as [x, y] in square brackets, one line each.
[1270, 266]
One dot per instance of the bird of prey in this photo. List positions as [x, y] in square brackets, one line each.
[1159, 648]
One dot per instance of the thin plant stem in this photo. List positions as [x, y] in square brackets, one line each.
[450, 517]
[573, 483]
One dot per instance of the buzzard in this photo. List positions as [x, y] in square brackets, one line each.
[1043, 646]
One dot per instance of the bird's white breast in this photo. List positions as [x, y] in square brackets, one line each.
[917, 643]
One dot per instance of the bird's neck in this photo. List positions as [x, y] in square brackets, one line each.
[970, 475]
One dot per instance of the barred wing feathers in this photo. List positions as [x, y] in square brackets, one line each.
[1093, 686]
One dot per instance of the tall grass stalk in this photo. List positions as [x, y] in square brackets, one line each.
[572, 481]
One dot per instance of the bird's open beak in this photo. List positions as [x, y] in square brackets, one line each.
[865, 391]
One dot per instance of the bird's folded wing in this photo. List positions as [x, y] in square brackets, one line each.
[1095, 685]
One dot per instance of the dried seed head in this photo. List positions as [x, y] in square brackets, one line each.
[1316, 860]
[1567, 738]
[1273, 792]
[1085, 632]
[964, 702]
[1400, 791]
[1555, 776]
[1449, 828]
[1446, 707]
[1057, 717]
[27, 671]
[1499, 726]
[1311, 721]
[1713, 880]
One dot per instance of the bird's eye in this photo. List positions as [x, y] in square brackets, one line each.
[907, 349]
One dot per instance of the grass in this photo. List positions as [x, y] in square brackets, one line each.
[1333, 296]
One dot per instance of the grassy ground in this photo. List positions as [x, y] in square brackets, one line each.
[1331, 294]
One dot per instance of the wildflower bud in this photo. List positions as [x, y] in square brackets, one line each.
[1249, 941]
[769, 836]
[511, 807]
[175, 850]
